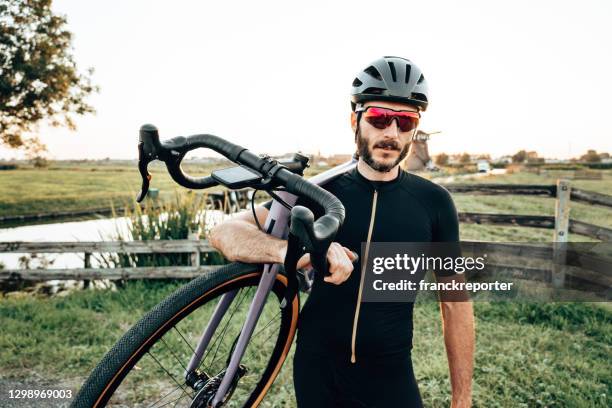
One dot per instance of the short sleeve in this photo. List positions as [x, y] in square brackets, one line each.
[446, 230]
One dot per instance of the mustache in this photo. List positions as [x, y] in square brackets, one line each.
[387, 144]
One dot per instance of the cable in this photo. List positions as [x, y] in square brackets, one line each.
[253, 209]
[280, 200]
[274, 196]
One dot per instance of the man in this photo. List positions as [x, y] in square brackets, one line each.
[349, 353]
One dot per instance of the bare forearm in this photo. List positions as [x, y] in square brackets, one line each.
[241, 241]
[458, 324]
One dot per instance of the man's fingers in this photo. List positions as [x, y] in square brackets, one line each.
[352, 255]
[304, 262]
[340, 264]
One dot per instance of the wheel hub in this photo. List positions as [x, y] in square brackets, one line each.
[208, 390]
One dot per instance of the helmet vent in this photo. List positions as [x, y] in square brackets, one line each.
[407, 76]
[372, 71]
[357, 82]
[393, 74]
[374, 91]
[421, 79]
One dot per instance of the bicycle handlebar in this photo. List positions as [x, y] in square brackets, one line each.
[316, 234]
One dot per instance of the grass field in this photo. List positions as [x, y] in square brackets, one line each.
[528, 355]
[79, 187]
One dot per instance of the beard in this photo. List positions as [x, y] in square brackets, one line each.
[365, 152]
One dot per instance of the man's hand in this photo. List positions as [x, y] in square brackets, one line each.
[340, 260]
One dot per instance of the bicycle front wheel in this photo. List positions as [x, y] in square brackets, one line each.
[145, 368]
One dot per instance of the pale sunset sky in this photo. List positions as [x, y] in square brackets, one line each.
[275, 76]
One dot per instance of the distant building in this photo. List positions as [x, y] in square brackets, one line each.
[483, 166]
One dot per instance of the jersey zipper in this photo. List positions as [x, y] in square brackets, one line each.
[364, 264]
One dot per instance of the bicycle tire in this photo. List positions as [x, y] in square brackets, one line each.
[137, 341]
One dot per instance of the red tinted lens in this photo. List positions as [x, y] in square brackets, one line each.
[379, 121]
[407, 123]
[380, 118]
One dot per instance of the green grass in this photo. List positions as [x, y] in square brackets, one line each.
[33, 191]
[528, 355]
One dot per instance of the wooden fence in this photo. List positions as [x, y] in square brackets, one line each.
[562, 191]
[580, 271]
[560, 223]
[194, 247]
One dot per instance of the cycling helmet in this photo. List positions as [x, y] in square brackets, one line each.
[390, 79]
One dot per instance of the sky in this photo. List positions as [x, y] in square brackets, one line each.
[275, 76]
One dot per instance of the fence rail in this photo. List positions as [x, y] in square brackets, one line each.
[536, 221]
[195, 247]
[134, 247]
[578, 195]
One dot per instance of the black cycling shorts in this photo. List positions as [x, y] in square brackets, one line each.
[323, 382]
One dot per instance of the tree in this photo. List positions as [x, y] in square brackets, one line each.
[465, 158]
[442, 159]
[519, 157]
[36, 153]
[38, 76]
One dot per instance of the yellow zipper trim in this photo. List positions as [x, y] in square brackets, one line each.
[364, 263]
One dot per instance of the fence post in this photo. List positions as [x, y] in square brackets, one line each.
[87, 265]
[562, 210]
[195, 256]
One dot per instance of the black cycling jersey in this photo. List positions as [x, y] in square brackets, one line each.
[408, 209]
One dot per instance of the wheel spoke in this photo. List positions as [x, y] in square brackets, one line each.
[226, 326]
[267, 324]
[184, 339]
[181, 386]
[218, 338]
[164, 397]
[173, 354]
[174, 401]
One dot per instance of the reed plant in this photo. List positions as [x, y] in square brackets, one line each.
[184, 216]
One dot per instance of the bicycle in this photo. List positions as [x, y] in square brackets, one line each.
[217, 370]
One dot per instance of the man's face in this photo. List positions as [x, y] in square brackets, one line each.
[382, 149]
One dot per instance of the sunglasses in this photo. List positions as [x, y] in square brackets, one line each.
[381, 118]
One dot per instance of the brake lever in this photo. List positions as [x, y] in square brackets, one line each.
[149, 149]
[144, 173]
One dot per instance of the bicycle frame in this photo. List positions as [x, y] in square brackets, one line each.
[276, 225]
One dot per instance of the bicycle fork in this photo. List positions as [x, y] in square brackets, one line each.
[255, 309]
